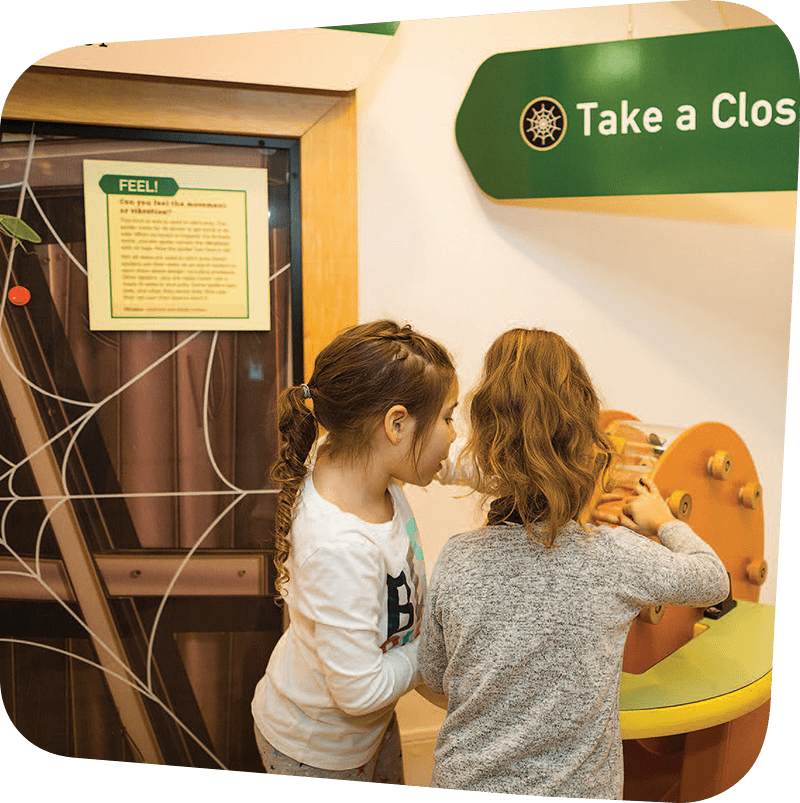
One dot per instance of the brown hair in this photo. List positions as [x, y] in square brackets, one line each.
[535, 435]
[357, 378]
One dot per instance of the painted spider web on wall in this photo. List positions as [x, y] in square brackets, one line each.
[134, 486]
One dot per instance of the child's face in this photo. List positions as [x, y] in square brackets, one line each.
[433, 451]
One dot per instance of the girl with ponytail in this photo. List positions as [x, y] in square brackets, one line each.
[349, 564]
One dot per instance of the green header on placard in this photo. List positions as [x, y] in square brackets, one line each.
[383, 28]
[694, 113]
[138, 185]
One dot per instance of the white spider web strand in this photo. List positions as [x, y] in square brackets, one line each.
[113, 395]
[52, 230]
[20, 205]
[121, 678]
[34, 574]
[174, 580]
[81, 420]
[11, 473]
[137, 683]
[3, 540]
[136, 686]
[19, 373]
[7, 281]
[206, 434]
[81, 423]
[4, 350]
[26, 174]
[51, 592]
[40, 535]
[78, 425]
[26, 575]
[279, 272]
[70, 446]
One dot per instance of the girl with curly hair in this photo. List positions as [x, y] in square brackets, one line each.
[527, 617]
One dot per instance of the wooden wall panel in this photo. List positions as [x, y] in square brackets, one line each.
[77, 96]
[330, 242]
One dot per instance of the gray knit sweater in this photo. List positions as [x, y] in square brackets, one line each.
[527, 644]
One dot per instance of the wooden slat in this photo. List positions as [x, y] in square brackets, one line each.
[140, 574]
[90, 98]
[17, 584]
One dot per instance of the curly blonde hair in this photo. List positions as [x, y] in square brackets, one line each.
[535, 434]
[357, 378]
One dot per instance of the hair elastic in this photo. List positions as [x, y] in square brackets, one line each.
[306, 391]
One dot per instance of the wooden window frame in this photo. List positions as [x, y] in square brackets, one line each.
[323, 121]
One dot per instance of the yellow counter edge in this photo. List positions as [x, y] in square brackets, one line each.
[649, 722]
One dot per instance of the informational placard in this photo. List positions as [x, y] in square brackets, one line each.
[176, 247]
[692, 113]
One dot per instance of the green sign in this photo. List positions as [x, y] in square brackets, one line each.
[706, 112]
[139, 185]
[382, 28]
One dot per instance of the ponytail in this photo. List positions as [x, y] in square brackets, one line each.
[356, 379]
[297, 428]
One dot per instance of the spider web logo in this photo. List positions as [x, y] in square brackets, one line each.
[543, 124]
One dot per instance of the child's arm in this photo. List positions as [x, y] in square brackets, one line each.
[684, 571]
[361, 678]
[432, 653]
[341, 592]
[439, 700]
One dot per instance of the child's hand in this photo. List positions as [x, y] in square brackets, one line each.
[614, 517]
[644, 512]
[646, 508]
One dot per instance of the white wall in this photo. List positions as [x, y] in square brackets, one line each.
[679, 306]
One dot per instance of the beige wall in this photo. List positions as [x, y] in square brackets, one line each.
[680, 305]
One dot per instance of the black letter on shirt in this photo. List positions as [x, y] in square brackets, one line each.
[395, 608]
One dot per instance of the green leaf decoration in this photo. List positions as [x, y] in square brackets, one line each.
[15, 227]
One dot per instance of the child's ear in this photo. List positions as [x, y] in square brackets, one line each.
[396, 423]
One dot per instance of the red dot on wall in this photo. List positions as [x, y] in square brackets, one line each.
[19, 295]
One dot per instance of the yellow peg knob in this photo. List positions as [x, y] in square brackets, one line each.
[680, 503]
[757, 572]
[750, 495]
[652, 614]
[719, 465]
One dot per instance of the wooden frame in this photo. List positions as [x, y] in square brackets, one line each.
[324, 121]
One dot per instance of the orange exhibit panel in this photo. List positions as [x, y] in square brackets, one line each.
[694, 695]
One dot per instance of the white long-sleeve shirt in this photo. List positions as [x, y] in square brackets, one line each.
[355, 595]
